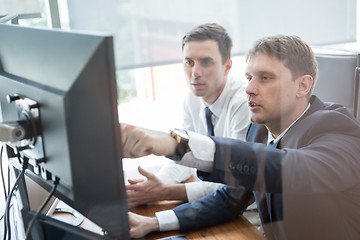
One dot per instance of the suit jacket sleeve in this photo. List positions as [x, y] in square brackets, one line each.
[247, 164]
[229, 202]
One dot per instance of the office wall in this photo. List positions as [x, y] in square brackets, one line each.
[20, 7]
[149, 32]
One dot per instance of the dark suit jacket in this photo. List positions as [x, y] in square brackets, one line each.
[308, 187]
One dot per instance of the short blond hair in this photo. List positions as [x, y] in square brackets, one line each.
[293, 52]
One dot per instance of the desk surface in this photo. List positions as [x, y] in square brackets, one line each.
[238, 229]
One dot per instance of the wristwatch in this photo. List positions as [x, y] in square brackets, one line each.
[182, 139]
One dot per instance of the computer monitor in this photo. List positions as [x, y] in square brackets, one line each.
[62, 84]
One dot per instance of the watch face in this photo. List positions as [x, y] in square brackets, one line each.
[182, 139]
[181, 133]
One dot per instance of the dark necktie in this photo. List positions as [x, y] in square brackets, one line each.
[210, 126]
[210, 132]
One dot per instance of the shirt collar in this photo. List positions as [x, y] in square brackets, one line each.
[217, 106]
[275, 140]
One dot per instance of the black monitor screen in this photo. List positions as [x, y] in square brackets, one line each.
[63, 85]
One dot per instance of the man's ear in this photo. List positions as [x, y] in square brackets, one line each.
[228, 66]
[304, 85]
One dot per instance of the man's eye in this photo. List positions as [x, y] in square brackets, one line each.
[248, 77]
[265, 78]
[189, 63]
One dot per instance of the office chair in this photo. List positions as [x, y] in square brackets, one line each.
[338, 81]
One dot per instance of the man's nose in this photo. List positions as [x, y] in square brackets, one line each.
[196, 71]
[251, 87]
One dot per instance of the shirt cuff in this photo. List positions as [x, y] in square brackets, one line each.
[167, 220]
[202, 147]
[197, 190]
[202, 152]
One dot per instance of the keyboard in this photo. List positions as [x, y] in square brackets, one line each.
[176, 237]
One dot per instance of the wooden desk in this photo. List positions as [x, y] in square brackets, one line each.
[238, 229]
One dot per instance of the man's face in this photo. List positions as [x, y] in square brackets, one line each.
[272, 92]
[204, 70]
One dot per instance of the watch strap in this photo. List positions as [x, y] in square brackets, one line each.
[182, 147]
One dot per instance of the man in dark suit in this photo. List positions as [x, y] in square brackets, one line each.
[301, 160]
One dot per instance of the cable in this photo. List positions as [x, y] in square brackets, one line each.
[8, 181]
[3, 183]
[7, 228]
[2, 171]
[8, 188]
[28, 230]
[7, 206]
[2, 216]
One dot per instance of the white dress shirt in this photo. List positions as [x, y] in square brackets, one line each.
[231, 118]
[202, 160]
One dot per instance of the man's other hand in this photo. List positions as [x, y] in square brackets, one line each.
[141, 225]
[144, 191]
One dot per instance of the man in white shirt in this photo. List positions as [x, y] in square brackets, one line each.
[207, 62]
